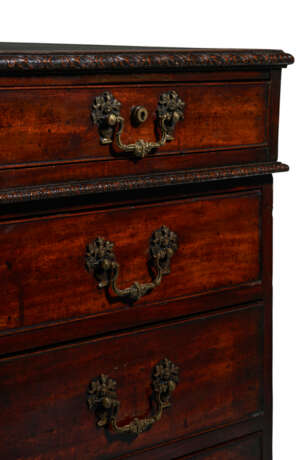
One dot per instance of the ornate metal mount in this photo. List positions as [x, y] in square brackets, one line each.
[171, 109]
[105, 111]
[102, 398]
[101, 262]
[106, 114]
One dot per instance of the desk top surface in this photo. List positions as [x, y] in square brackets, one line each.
[41, 57]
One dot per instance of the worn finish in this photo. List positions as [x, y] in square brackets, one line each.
[120, 165]
[52, 124]
[219, 240]
[221, 381]
[242, 449]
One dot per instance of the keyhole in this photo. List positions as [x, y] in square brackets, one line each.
[139, 114]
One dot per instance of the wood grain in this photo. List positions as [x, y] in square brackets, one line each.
[60, 189]
[221, 381]
[54, 124]
[219, 247]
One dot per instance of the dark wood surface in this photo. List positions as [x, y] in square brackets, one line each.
[53, 48]
[221, 381]
[54, 124]
[60, 189]
[142, 182]
[243, 449]
[219, 247]
[142, 77]
[48, 126]
[68, 58]
[212, 441]
[48, 140]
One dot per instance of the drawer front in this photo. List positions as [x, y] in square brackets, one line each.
[55, 125]
[218, 369]
[215, 244]
[243, 449]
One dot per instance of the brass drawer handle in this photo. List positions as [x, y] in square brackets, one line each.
[106, 114]
[101, 262]
[102, 398]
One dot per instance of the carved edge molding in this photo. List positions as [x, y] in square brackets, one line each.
[142, 61]
[115, 184]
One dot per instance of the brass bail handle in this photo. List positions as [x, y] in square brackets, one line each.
[100, 260]
[106, 115]
[102, 399]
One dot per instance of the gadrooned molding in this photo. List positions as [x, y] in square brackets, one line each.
[116, 184]
[141, 61]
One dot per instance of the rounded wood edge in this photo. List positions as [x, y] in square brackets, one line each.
[141, 61]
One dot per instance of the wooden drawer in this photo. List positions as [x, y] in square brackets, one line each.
[248, 448]
[136, 254]
[44, 279]
[220, 381]
[43, 126]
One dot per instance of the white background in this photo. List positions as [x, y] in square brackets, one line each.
[241, 24]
